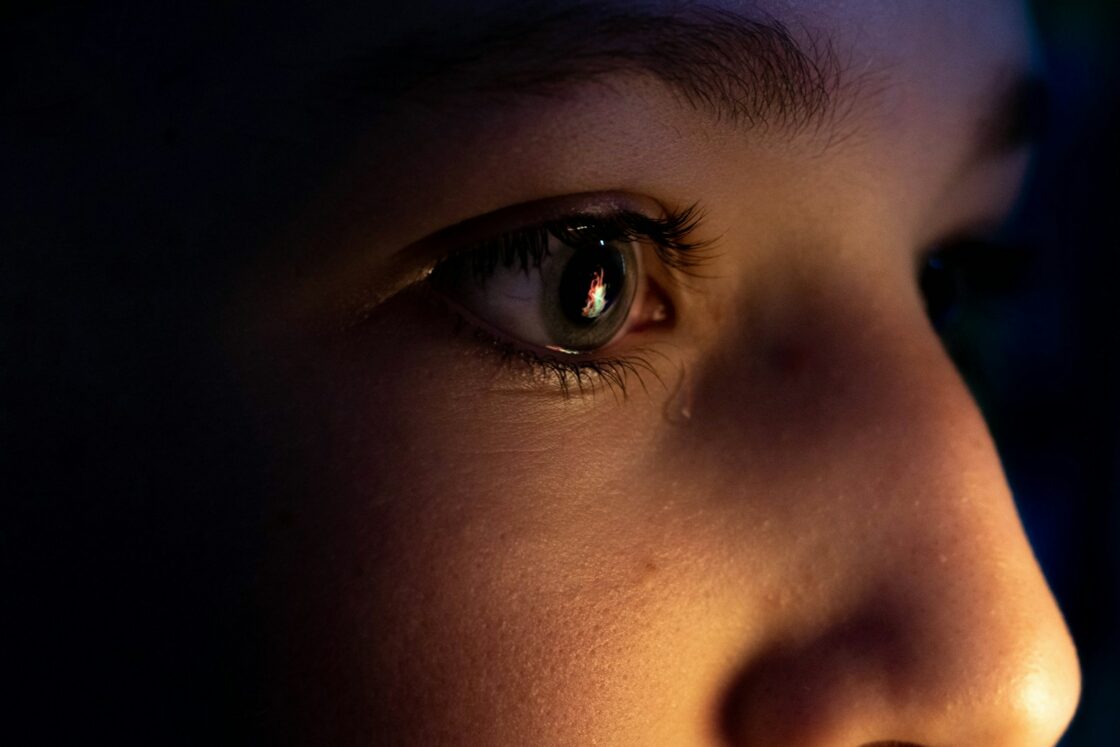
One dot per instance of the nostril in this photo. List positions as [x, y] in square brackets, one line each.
[834, 687]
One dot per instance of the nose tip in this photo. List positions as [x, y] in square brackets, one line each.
[974, 665]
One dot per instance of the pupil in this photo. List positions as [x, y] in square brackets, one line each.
[590, 284]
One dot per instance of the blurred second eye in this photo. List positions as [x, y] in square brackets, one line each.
[941, 287]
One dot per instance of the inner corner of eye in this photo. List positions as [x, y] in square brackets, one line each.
[656, 308]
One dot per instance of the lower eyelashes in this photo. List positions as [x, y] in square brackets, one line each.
[567, 375]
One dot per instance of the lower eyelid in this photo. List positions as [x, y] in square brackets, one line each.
[546, 371]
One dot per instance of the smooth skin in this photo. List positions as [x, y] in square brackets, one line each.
[797, 532]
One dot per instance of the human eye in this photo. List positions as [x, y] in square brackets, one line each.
[960, 273]
[566, 295]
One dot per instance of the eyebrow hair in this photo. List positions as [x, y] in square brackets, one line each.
[751, 72]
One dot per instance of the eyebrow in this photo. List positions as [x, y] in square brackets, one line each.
[751, 72]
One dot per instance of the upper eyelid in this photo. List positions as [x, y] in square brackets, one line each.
[526, 216]
[641, 216]
[671, 231]
[414, 262]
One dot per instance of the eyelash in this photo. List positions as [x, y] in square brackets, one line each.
[670, 237]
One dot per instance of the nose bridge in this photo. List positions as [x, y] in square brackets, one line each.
[942, 630]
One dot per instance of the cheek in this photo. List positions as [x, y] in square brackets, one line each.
[466, 551]
[462, 557]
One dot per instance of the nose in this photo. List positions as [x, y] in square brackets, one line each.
[935, 625]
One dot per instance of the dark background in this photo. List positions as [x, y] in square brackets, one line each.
[123, 613]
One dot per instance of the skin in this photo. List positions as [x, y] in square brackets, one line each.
[821, 551]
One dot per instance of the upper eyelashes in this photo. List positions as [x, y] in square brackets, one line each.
[670, 237]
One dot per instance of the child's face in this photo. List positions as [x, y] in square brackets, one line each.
[792, 527]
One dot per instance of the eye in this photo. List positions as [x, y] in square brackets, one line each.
[962, 272]
[569, 290]
[941, 286]
[569, 287]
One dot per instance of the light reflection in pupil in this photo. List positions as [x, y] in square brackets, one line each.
[596, 296]
[585, 308]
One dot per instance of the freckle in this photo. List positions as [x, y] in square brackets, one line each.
[648, 574]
